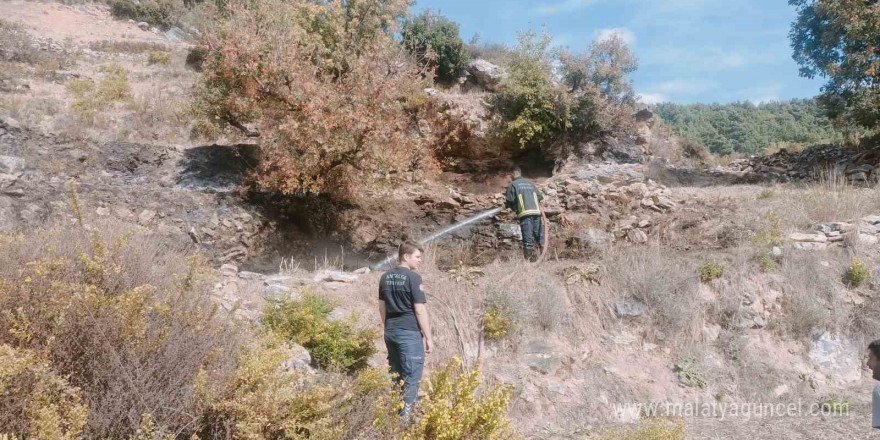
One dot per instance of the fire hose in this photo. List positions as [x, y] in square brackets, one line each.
[485, 214]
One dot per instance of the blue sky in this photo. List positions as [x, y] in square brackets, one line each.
[689, 50]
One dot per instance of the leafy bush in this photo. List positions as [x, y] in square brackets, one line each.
[454, 408]
[163, 14]
[159, 57]
[123, 319]
[326, 86]
[36, 402]
[710, 271]
[534, 112]
[262, 401]
[605, 65]
[332, 344]
[496, 324]
[434, 37]
[857, 273]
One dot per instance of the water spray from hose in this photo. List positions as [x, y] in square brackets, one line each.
[485, 214]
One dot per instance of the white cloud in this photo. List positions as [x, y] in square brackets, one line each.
[704, 58]
[764, 100]
[694, 86]
[761, 94]
[651, 98]
[560, 7]
[623, 33]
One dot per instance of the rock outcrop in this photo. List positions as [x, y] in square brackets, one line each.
[865, 231]
[857, 166]
[483, 75]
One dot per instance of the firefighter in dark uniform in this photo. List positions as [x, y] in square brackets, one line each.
[524, 198]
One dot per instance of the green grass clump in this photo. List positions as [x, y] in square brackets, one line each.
[337, 345]
[771, 235]
[857, 273]
[765, 260]
[497, 324]
[159, 57]
[710, 271]
[91, 98]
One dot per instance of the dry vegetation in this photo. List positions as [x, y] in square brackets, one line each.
[108, 332]
[123, 94]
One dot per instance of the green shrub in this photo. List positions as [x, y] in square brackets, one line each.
[497, 324]
[332, 344]
[163, 14]
[260, 400]
[458, 405]
[436, 37]
[36, 402]
[765, 260]
[159, 57]
[119, 316]
[533, 111]
[710, 271]
[857, 273]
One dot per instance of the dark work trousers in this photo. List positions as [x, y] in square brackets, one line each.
[532, 231]
[406, 356]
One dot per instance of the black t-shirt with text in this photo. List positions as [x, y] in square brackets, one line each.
[401, 289]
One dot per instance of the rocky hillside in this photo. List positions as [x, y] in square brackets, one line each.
[666, 280]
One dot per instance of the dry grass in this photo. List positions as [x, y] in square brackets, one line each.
[725, 160]
[159, 57]
[831, 199]
[121, 314]
[127, 46]
[651, 429]
[663, 283]
[32, 111]
[791, 147]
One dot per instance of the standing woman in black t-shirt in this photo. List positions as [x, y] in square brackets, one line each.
[405, 321]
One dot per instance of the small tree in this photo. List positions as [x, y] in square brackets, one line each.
[534, 111]
[605, 65]
[601, 92]
[840, 39]
[325, 84]
[434, 37]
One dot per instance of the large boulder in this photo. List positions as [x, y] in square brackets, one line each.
[485, 75]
